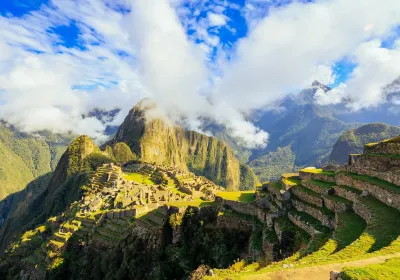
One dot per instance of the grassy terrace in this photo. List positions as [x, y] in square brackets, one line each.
[307, 191]
[324, 210]
[390, 270]
[197, 203]
[322, 184]
[276, 185]
[339, 199]
[309, 220]
[385, 155]
[291, 181]
[349, 228]
[373, 180]
[350, 189]
[231, 213]
[286, 225]
[138, 178]
[244, 196]
[318, 171]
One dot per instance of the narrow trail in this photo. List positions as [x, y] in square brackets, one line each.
[319, 272]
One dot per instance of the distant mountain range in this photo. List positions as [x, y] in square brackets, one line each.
[302, 133]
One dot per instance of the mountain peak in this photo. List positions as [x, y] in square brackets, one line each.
[320, 85]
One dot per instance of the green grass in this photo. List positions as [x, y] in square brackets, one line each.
[385, 155]
[139, 178]
[197, 203]
[390, 270]
[231, 213]
[375, 181]
[322, 184]
[349, 228]
[308, 191]
[339, 199]
[276, 185]
[244, 196]
[324, 210]
[318, 171]
[310, 220]
[291, 181]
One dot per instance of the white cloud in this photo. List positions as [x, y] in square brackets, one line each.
[294, 45]
[216, 19]
[377, 67]
[367, 86]
[285, 48]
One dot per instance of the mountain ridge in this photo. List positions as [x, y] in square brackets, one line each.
[156, 141]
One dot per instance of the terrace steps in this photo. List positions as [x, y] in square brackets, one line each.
[307, 222]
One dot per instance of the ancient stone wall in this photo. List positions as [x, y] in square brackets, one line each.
[240, 207]
[361, 210]
[345, 193]
[378, 163]
[306, 197]
[303, 225]
[324, 219]
[314, 187]
[391, 176]
[316, 176]
[185, 189]
[335, 206]
[383, 148]
[389, 198]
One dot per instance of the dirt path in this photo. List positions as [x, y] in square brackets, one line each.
[320, 272]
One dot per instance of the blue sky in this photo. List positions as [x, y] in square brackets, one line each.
[228, 35]
[218, 59]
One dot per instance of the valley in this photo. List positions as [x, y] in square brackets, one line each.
[135, 219]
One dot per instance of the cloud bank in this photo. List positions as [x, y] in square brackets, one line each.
[188, 57]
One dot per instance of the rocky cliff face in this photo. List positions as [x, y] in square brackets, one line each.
[353, 141]
[156, 141]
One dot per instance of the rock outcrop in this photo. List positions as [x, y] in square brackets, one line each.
[157, 141]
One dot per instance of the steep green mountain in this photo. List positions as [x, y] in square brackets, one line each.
[25, 157]
[156, 141]
[353, 141]
[52, 193]
[92, 222]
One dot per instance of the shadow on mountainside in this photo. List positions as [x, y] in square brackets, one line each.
[17, 203]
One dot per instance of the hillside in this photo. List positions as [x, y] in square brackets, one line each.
[27, 156]
[303, 135]
[50, 193]
[353, 141]
[156, 141]
[144, 221]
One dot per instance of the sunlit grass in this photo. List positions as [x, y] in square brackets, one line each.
[138, 178]
[318, 171]
[197, 203]
[390, 270]
[244, 196]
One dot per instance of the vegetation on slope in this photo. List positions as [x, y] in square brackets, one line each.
[390, 270]
[353, 141]
[27, 156]
[156, 141]
[64, 187]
